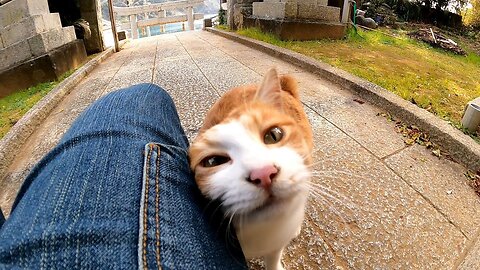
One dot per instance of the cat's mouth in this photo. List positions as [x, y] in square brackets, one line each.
[272, 199]
[271, 202]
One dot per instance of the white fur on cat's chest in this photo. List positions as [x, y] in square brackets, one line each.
[263, 236]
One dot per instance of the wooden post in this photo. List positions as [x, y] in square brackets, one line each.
[190, 21]
[114, 28]
[346, 11]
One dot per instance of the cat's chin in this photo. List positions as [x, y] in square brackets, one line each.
[273, 205]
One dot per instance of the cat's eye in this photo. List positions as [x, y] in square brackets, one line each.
[212, 161]
[273, 135]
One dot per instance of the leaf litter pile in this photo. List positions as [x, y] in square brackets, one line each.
[474, 180]
[437, 40]
[412, 134]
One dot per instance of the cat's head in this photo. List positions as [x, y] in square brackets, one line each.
[258, 155]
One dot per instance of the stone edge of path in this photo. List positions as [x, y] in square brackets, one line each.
[22, 130]
[461, 147]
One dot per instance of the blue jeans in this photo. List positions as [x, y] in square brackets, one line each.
[117, 192]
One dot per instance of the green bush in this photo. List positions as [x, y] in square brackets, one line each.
[222, 18]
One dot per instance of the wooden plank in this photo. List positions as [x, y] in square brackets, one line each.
[114, 28]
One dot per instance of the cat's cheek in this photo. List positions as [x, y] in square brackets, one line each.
[203, 180]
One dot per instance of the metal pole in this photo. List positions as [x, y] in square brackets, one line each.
[346, 11]
[114, 28]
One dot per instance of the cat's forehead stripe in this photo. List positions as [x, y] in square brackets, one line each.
[235, 128]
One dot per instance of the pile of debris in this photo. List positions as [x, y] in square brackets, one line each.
[384, 15]
[376, 11]
[364, 21]
[437, 40]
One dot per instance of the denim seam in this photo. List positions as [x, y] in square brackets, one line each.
[171, 147]
[142, 263]
[157, 203]
[145, 209]
[150, 166]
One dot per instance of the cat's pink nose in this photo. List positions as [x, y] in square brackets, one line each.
[263, 176]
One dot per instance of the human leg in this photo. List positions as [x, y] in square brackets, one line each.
[116, 192]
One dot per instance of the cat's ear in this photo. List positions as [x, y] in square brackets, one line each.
[269, 91]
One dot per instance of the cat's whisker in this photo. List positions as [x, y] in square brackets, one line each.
[318, 147]
[344, 200]
[309, 214]
[210, 202]
[227, 215]
[212, 215]
[323, 196]
[228, 230]
[333, 210]
[334, 173]
[317, 172]
[330, 207]
[345, 207]
[316, 162]
[331, 191]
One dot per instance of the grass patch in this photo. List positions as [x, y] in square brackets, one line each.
[222, 27]
[437, 81]
[14, 106]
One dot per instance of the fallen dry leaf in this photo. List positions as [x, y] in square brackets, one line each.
[436, 152]
[358, 101]
[474, 180]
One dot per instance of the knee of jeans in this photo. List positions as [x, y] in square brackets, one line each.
[148, 89]
[140, 91]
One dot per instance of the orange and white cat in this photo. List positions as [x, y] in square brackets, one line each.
[253, 154]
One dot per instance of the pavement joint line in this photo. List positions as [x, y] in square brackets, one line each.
[22, 130]
[154, 62]
[395, 152]
[461, 147]
[105, 88]
[394, 172]
[427, 200]
[466, 251]
[220, 49]
[201, 71]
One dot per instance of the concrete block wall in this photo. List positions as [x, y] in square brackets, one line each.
[317, 12]
[28, 29]
[16, 10]
[274, 10]
[49, 40]
[296, 9]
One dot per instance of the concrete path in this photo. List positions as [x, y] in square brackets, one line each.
[380, 204]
